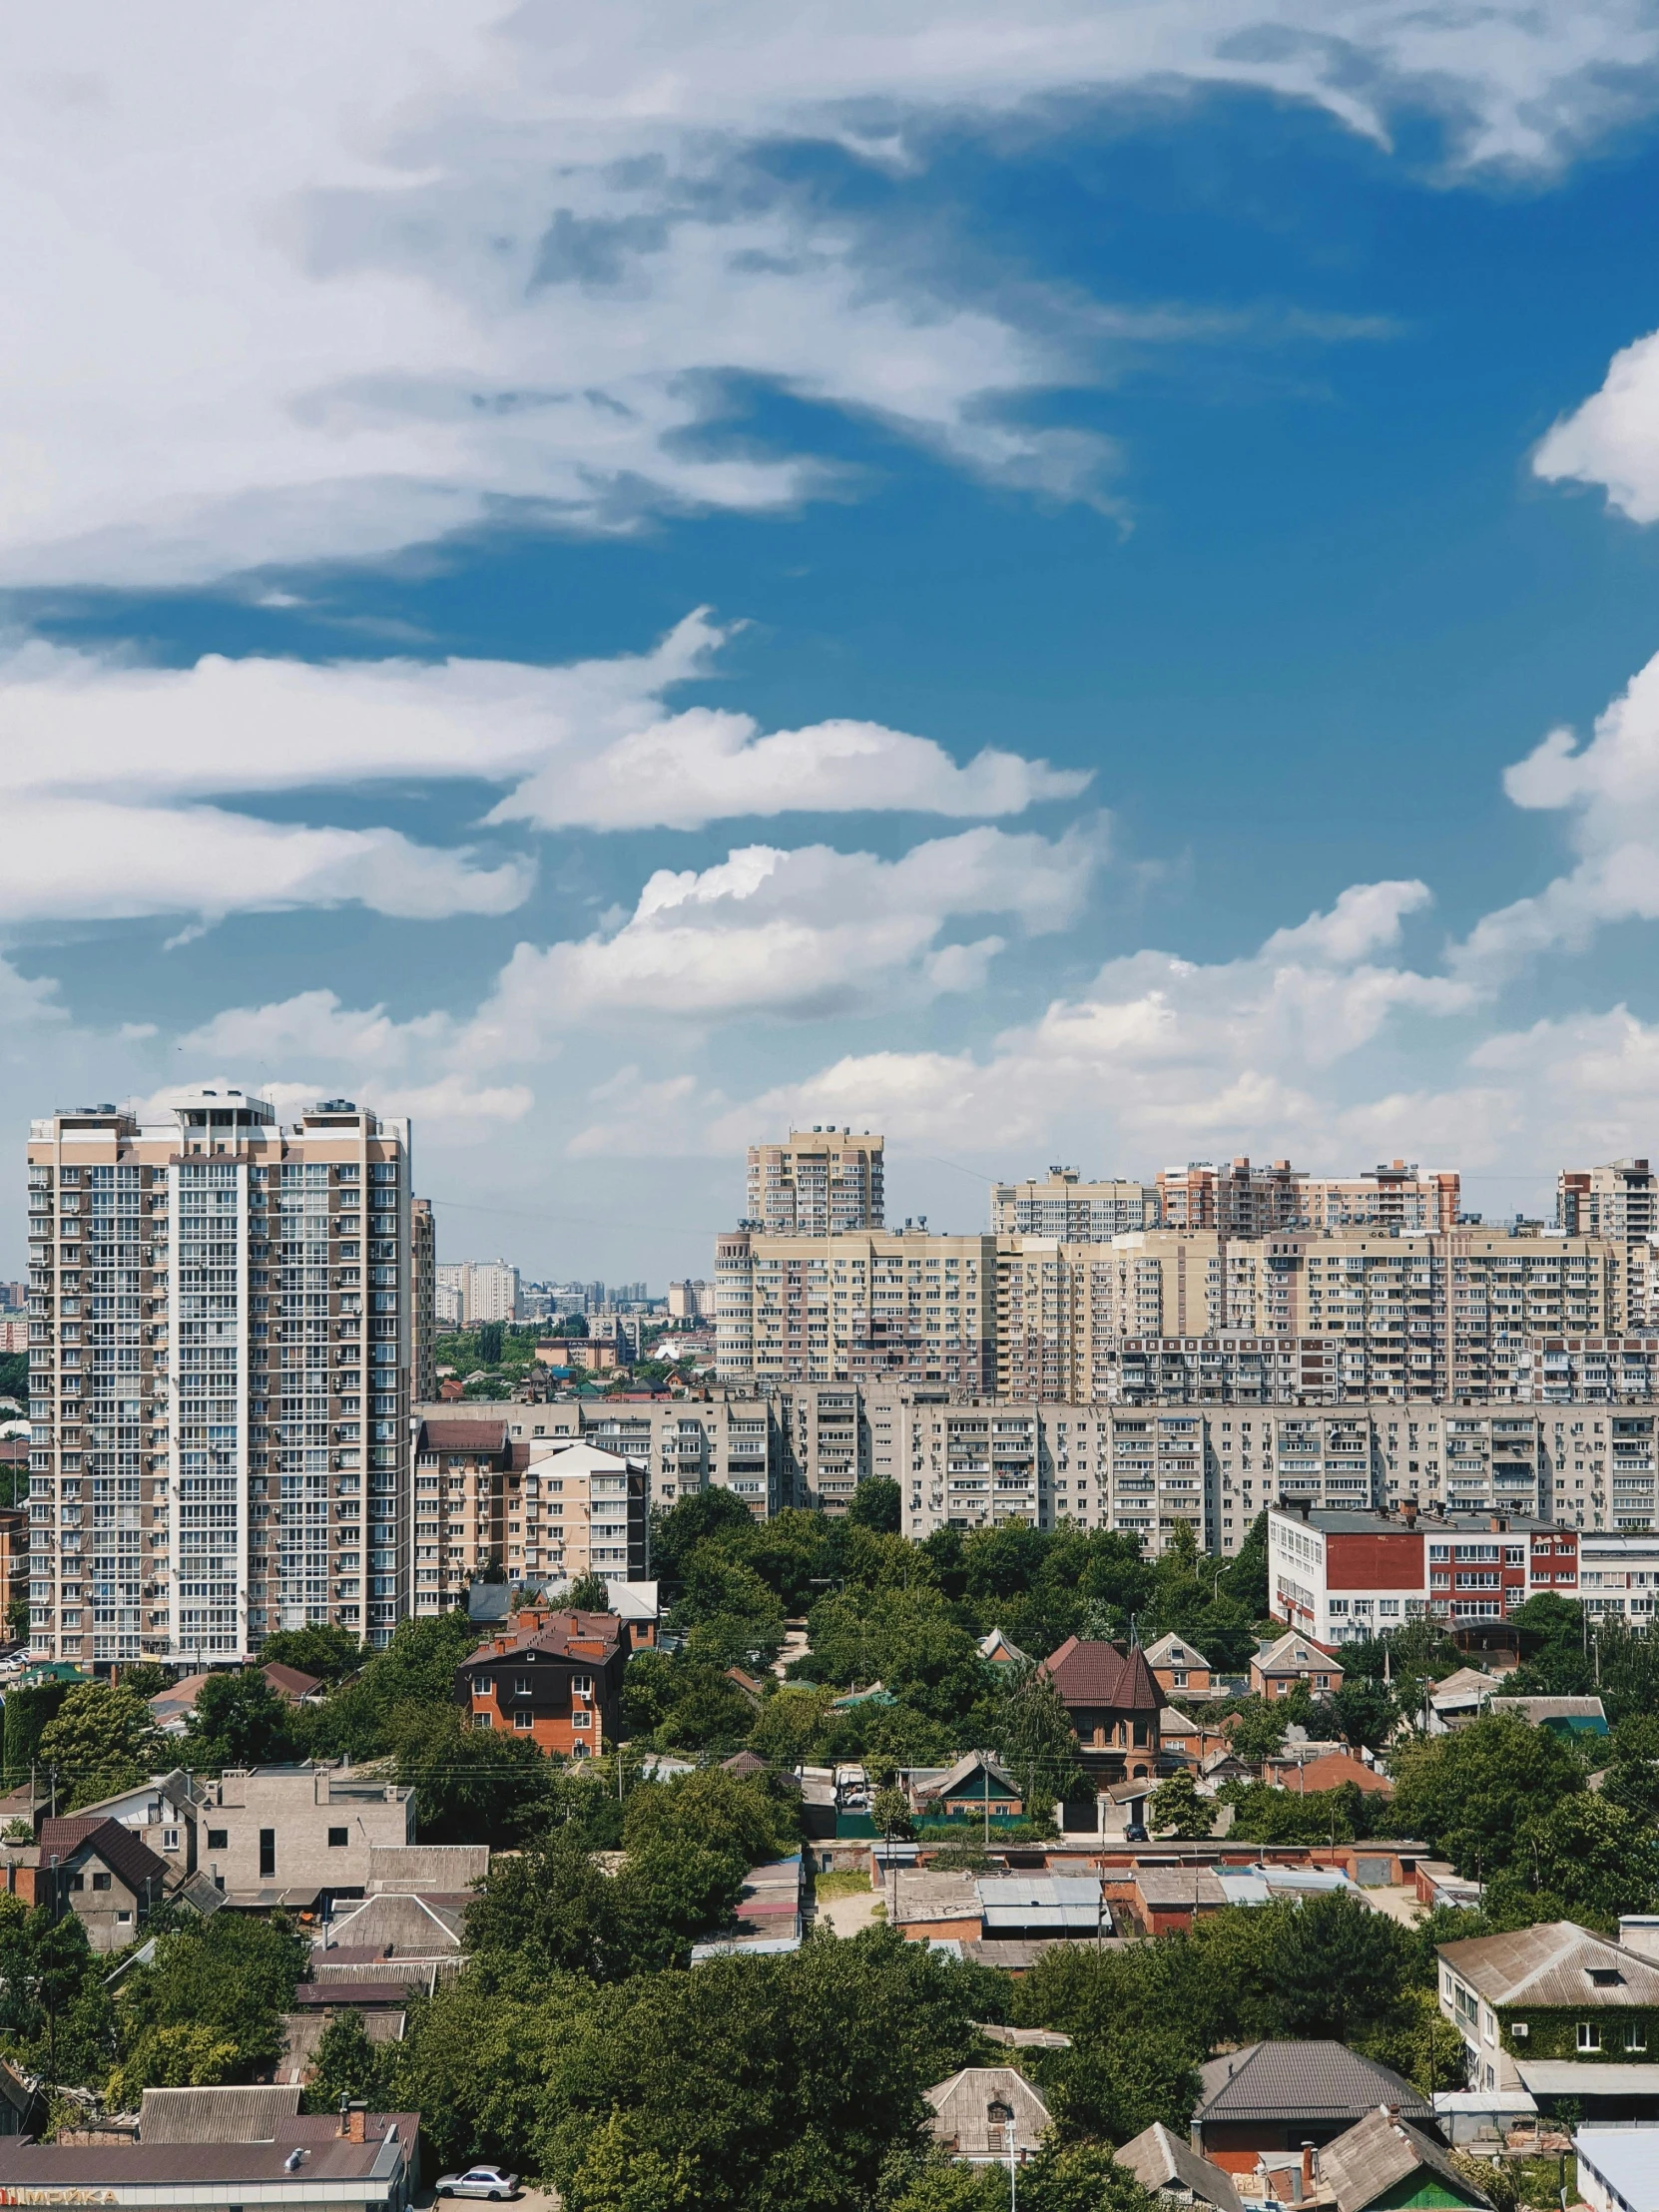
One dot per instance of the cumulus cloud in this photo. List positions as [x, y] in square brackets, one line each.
[105, 768]
[463, 258]
[1612, 440]
[1608, 792]
[802, 933]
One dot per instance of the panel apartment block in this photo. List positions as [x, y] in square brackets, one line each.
[221, 1346]
[1064, 1207]
[819, 1181]
[1341, 1576]
[856, 1306]
[1619, 1200]
[1243, 1200]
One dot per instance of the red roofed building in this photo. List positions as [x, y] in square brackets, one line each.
[559, 1684]
[1114, 1701]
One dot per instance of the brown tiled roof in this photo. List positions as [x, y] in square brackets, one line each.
[1305, 2082]
[1104, 1674]
[560, 1632]
[121, 1851]
[291, 1681]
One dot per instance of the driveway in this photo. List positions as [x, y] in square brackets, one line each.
[846, 1915]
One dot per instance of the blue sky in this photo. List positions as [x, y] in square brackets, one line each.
[1156, 478]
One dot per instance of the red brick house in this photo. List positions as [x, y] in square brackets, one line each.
[1114, 1701]
[560, 1684]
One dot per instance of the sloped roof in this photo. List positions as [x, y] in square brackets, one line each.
[1467, 1682]
[970, 1764]
[996, 1642]
[1168, 1889]
[1378, 2154]
[438, 1868]
[961, 2109]
[407, 1927]
[121, 1851]
[1537, 1710]
[1551, 1964]
[472, 1435]
[1283, 1656]
[1159, 2160]
[291, 1682]
[556, 1637]
[245, 2115]
[1171, 1651]
[1104, 1674]
[1311, 2080]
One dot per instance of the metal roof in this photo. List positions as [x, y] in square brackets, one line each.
[1552, 1964]
[1380, 2152]
[1159, 2160]
[1625, 2160]
[1568, 2077]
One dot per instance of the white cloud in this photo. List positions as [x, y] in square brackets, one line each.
[802, 933]
[1608, 790]
[319, 283]
[1612, 440]
[105, 768]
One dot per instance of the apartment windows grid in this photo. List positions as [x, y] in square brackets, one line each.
[219, 1349]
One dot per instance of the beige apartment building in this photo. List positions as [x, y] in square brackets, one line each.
[821, 1181]
[1620, 1200]
[1241, 1200]
[1070, 1210]
[856, 1305]
[222, 1339]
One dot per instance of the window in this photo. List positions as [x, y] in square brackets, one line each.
[77, 1882]
[1589, 2036]
[581, 1685]
[338, 1838]
[121, 1919]
[524, 1720]
[267, 1853]
[99, 1881]
[1635, 2036]
[483, 1720]
[218, 1838]
[523, 1685]
[482, 1685]
[170, 1838]
[580, 1720]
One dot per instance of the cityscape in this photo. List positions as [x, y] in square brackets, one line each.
[830, 1291]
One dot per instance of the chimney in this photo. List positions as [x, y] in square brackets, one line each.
[352, 2119]
[1408, 1512]
[1309, 2168]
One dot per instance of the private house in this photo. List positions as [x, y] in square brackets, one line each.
[1384, 2161]
[974, 1789]
[1564, 1716]
[162, 1814]
[560, 1684]
[269, 1836]
[987, 2115]
[1114, 1701]
[108, 1876]
[1560, 2013]
[1278, 1667]
[1325, 1768]
[1183, 1741]
[1275, 2097]
[1002, 1652]
[1460, 1698]
[1161, 2161]
[1179, 1669]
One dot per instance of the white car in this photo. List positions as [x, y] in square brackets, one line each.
[480, 2181]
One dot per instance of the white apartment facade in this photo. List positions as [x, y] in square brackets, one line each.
[222, 1340]
[1619, 1200]
[472, 1290]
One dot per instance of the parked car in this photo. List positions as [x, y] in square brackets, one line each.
[480, 2181]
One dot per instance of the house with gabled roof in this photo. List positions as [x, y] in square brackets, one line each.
[986, 2114]
[1275, 2096]
[1180, 1668]
[1384, 2161]
[1294, 1658]
[1558, 2012]
[108, 1876]
[977, 1788]
[1113, 1698]
[1164, 2164]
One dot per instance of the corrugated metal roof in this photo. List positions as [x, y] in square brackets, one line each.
[1008, 1891]
[1380, 2152]
[404, 1869]
[963, 2105]
[1563, 2077]
[1311, 2081]
[1626, 2159]
[1552, 1964]
[1158, 2159]
[239, 2115]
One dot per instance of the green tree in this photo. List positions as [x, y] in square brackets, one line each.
[705, 1516]
[1421, 2046]
[1362, 1712]
[348, 2065]
[877, 1503]
[730, 1613]
[1082, 2177]
[1596, 1857]
[416, 1668]
[1258, 1729]
[471, 1785]
[589, 1593]
[1470, 1793]
[231, 1978]
[1035, 1735]
[491, 1341]
[621, 2174]
[890, 1810]
[1264, 1814]
[732, 1814]
[905, 1638]
[1178, 1809]
[103, 1740]
[1336, 1968]
[28, 1711]
[328, 1652]
[789, 1725]
[240, 1721]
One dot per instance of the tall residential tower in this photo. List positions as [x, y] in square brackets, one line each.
[221, 1343]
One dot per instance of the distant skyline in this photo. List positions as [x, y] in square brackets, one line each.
[1072, 586]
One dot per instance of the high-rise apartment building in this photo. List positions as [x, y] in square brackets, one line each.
[466, 1292]
[1620, 1200]
[1065, 1206]
[821, 1181]
[858, 1304]
[1245, 1201]
[222, 1339]
[424, 1305]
